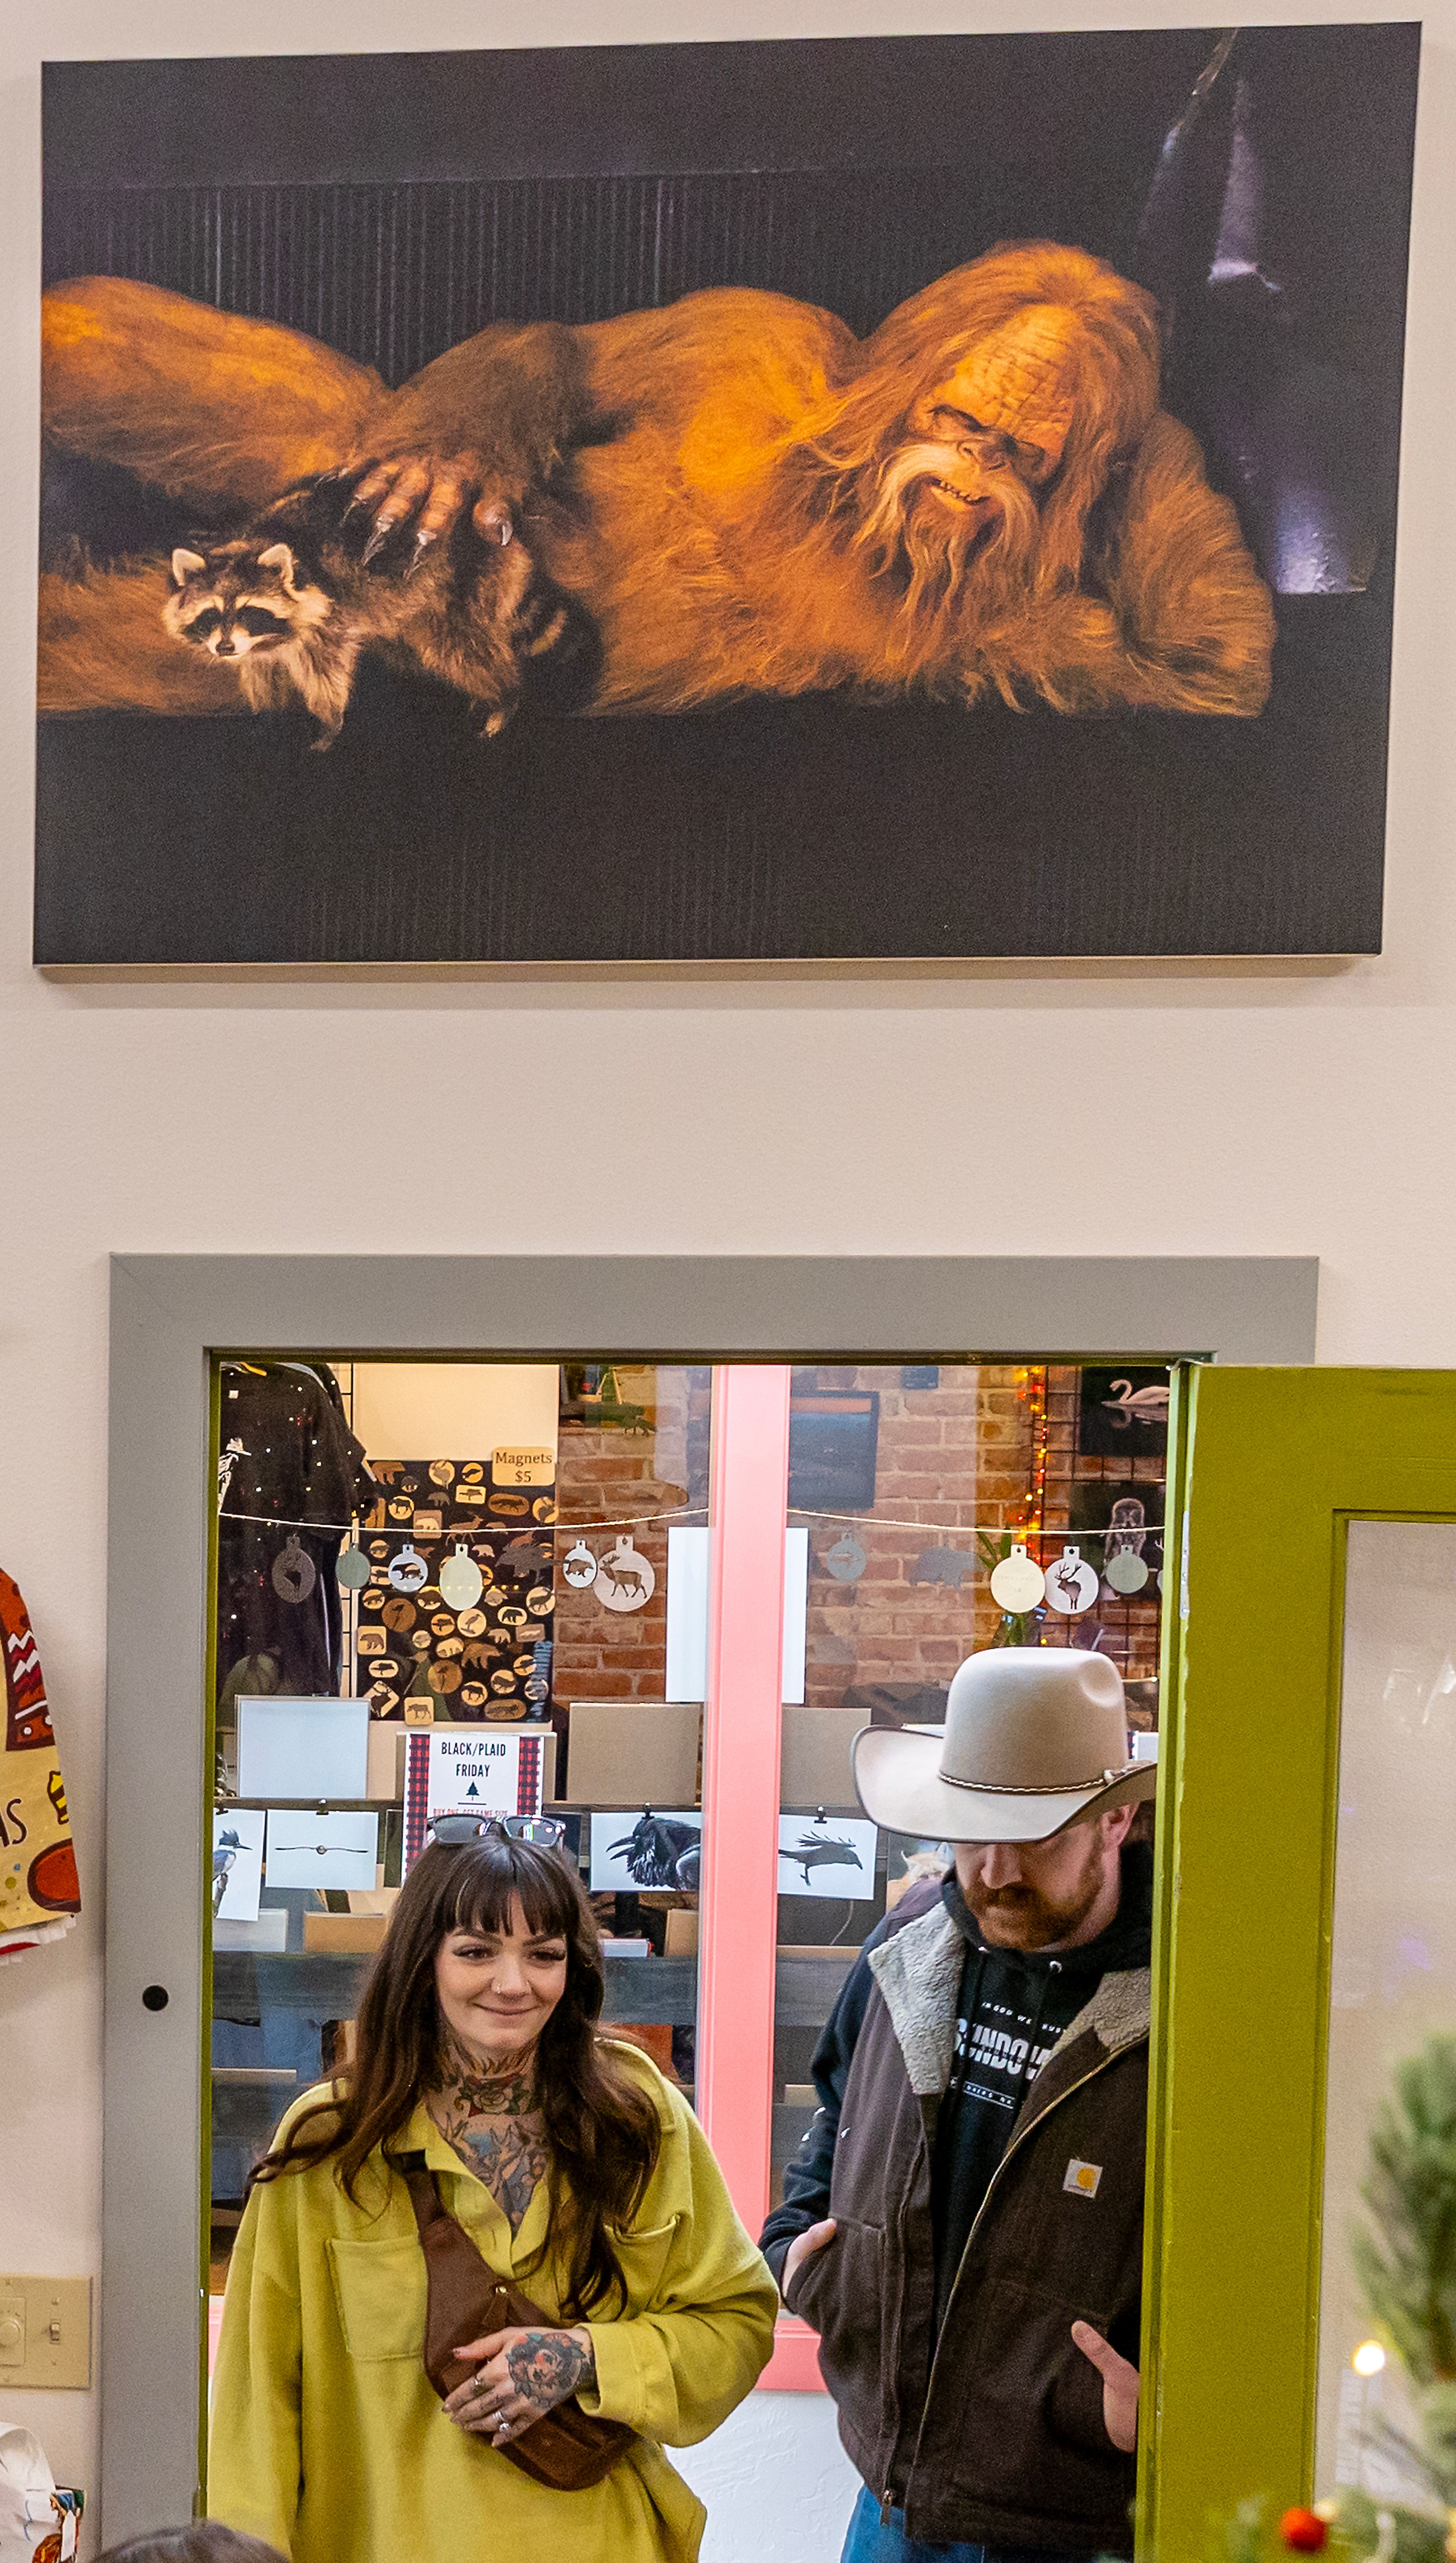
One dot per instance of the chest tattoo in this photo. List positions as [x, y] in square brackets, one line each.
[488, 2116]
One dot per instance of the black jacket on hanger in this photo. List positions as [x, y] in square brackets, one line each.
[290, 1475]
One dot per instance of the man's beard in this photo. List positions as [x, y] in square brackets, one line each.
[992, 556]
[1022, 1917]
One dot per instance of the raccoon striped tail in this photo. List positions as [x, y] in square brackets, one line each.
[541, 624]
[101, 648]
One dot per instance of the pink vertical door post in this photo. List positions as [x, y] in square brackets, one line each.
[742, 1725]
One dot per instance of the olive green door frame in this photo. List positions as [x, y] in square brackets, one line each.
[1267, 1470]
[170, 1316]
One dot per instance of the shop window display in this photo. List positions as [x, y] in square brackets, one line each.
[485, 1586]
[970, 1466]
[472, 1602]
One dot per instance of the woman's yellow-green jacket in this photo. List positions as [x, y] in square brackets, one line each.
[328, 2439]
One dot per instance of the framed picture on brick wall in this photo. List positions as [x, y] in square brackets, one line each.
[835, 498]
[834, 1437]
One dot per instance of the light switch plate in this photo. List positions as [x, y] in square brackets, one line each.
[56, 2314]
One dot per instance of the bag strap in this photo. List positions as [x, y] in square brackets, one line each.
[440, 2231]
[424, 2188]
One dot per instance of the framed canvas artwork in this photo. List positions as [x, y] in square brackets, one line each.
[813, 501]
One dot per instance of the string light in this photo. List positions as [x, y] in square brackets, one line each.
[1031, 1389]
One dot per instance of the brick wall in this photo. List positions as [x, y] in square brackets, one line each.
[949, 1459]
[1131, 1629]
[992, 1446]
[969, 1454]
[603, 1473]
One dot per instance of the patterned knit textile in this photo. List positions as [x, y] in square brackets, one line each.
[40, 1893]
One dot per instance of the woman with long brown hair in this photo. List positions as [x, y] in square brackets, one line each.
[483, 2102]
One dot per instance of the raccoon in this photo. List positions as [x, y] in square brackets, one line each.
[295, 599]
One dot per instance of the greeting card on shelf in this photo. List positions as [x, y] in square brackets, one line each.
[656, 1848]
[237, 1870]
[309, 1849]
[833, 1858]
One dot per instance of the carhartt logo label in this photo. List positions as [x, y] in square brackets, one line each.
[1082, 2178]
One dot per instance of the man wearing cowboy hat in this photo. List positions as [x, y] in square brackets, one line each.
[963, 2223]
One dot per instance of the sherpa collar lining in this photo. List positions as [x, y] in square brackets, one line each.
[917, 1971]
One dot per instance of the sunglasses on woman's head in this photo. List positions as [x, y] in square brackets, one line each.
[546, 1831]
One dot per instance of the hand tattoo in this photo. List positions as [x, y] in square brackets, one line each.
[546, 2366]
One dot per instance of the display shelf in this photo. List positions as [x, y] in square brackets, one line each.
[807, 1986]
[326, 1986]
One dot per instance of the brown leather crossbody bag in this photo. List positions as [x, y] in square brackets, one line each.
[567, 2450]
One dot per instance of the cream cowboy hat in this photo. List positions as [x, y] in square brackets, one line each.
[1033, 1738]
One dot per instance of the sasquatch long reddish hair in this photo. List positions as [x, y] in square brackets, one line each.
[729, 491]
[770, 536]
[836, 498]
[1111, 359]
[603, 2131]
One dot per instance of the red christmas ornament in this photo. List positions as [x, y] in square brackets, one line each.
[1303, 2532]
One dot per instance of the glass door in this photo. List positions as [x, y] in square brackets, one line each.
[1303, 2158]
[439, 1587]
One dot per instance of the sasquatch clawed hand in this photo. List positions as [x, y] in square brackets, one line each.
[425, 496]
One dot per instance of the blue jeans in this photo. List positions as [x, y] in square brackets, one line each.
[869, 2541]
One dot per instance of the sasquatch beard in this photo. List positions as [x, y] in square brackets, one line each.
[993, 558]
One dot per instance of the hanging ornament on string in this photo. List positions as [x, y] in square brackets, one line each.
[352, 1569]
[578, 1566]
[1126, 1572]
[1072, 1584]
[293, 1572]
[942, 1565]
[408, 1571]
[626, 1579]
[1125, 1566]
[1017, 1583]
[846, 1560]
[460, 1580]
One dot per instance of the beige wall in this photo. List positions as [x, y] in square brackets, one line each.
[1224, 1111]
[463, 1410]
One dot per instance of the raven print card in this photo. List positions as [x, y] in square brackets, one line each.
[824, 499]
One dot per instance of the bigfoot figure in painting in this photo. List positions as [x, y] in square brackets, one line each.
[984, 498]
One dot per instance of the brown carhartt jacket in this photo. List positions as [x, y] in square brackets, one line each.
[994, 2434]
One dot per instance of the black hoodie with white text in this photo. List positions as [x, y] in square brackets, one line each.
[1013, 2006]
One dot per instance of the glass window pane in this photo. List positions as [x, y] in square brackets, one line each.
[911, 1481]
[408, 1550]
[1393, 2015]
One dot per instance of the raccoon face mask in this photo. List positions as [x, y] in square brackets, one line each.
[239, 600]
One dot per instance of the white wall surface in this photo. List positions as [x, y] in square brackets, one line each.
[1294, 1111]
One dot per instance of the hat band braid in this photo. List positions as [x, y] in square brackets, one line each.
[1018, 1788]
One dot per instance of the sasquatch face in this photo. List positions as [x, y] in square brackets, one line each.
[982, 443]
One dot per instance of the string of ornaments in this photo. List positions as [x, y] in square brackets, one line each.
[626, 1580]
[1069, 1584]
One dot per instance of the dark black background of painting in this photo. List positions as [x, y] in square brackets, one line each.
[393, 204]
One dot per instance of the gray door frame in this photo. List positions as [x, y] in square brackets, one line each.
[170, 1314]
